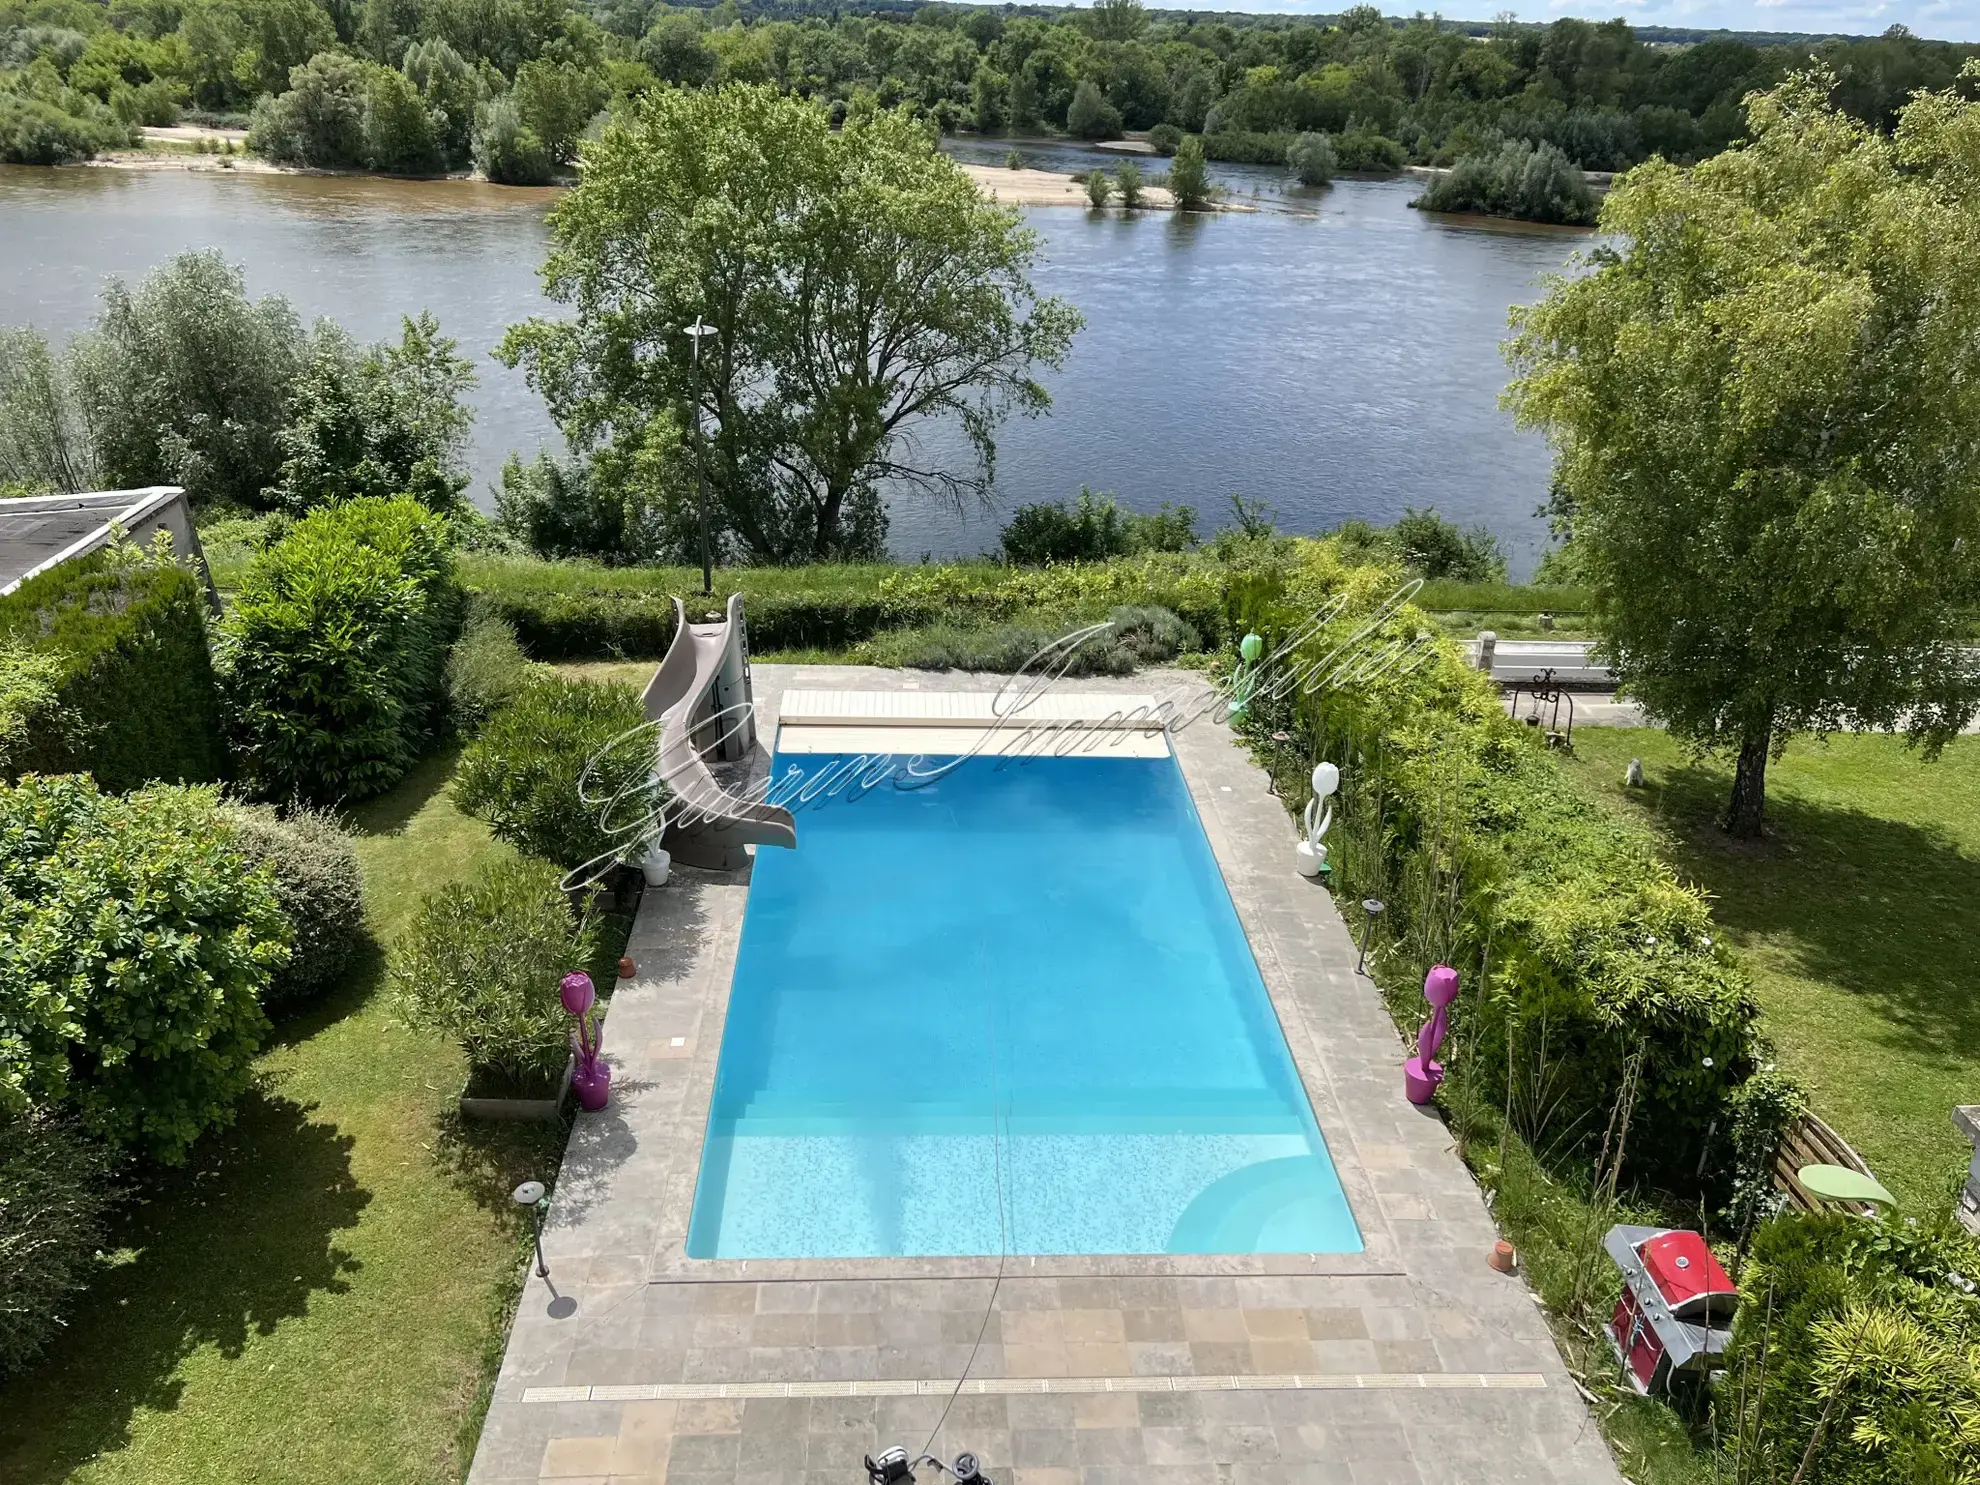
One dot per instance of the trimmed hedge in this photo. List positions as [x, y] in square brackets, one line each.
[133, 696]
[583, 611]
[138, 943]
[334, 652]
[1458, 819]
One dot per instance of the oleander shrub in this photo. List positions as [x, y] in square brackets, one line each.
[140, 942]
[480, 964]
[1462, 823]
[57, 1186]
[1855, 1348]
[334, 652]
[319, 886]
[486, 669]
[104, 669]
[557, 769]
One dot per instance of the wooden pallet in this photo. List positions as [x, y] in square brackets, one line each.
[1811, 1142]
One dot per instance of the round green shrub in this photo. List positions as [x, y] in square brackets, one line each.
[480, 963]
[320, 887]
[526, 773]
[333, 653]
[56, 1187]
[140, 942]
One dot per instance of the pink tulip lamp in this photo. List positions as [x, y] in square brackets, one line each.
[1422, 1073]
[592, 1080]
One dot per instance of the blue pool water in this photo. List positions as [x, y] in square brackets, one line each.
[1012, 1010]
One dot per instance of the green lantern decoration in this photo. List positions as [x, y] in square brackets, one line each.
[1245, 681]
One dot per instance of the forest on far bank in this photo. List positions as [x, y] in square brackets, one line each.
[428, 86]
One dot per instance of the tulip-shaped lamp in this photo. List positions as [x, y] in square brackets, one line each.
[593, 1078]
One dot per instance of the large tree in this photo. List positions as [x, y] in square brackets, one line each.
[860, 290]
[1764, 401]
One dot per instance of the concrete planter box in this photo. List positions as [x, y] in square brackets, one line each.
[523, 1110]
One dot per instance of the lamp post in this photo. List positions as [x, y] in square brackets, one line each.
[1373, 907]
[529, 1196]
[694, 333]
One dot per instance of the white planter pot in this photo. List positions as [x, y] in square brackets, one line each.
[1308, 861]
[656, 866]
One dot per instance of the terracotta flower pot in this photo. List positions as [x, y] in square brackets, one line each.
[626, 968]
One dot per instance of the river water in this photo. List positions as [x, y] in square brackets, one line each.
[1333, 353]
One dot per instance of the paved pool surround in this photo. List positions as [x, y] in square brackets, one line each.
[1408, 1361]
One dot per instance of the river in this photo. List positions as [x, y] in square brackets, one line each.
[1334, 354]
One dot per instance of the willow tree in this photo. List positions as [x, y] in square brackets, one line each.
[860, 290]
[1764, 401]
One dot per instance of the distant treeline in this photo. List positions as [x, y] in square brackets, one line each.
[420, 85]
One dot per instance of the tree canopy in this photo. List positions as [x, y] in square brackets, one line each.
[859, 288]
[1765, 406]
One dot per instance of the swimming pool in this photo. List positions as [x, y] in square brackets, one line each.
[1012, 1010]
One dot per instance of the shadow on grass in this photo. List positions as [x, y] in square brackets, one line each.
[361, 979]
[281, 1188]
[1879, 908]
[393, 810]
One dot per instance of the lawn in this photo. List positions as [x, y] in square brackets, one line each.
[1858, 917]
[320, 1295]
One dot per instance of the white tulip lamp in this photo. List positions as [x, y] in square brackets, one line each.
[1310, 855]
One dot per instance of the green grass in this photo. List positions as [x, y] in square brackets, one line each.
[321, 1294]
[1856, 917]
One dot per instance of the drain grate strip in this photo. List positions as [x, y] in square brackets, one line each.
[1036, 1386]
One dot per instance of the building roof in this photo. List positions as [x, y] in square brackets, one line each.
[40, 531]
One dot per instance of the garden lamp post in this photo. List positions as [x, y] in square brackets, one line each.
[530, 1196]
[1373, 907]
[694, 333]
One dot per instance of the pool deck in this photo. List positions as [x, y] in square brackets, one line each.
[1409, 1362]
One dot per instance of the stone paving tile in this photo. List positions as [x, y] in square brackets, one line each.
[624, 1305]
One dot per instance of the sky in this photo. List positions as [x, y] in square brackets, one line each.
[1941, 20]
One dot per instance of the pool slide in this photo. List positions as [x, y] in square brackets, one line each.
[700, 696]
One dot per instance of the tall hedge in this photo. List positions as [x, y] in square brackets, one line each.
[136, 944]
[1459, 820]
[131, 691]
[334, 653]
